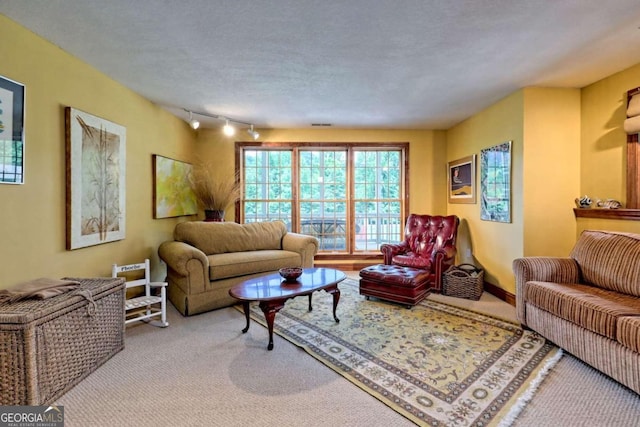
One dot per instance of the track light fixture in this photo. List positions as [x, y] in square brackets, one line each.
[193, 122]
[254, 134]
[228, 128]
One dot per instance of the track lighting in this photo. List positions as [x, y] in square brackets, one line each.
[193, 122]
[254, 134]
[228, 129]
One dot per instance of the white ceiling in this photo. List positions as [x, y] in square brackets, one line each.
[351, 63]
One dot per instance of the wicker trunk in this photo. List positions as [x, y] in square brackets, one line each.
[48, 346]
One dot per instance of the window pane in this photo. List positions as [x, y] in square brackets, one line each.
[267, 186]
[323, 198]
[377, 208]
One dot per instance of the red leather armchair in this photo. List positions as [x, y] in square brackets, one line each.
[429, 244]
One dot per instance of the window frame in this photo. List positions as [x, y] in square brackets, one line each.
[240, 146]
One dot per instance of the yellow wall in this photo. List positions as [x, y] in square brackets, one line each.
[494, 244]
[32, 217]
[551, 170]
[603, 145]
[427, 161]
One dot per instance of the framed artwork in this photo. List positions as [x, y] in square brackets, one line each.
[172, 192]
[96, 180]
[461, 179]
[11, 132]
[495, 182]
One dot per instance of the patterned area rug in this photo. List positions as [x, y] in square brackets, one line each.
[435, 364]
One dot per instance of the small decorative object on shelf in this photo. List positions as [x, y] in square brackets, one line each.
[583, 202]
[290, 274]
[609, 204]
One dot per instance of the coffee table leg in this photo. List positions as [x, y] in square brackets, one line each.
[335, 292]
[245, 305]
[310, 307]
[270, 308]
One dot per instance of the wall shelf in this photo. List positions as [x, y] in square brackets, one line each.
[626, 214]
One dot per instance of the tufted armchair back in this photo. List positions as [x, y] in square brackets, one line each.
[429, 244]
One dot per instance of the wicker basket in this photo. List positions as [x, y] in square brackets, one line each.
[463, 281]
[47, 346]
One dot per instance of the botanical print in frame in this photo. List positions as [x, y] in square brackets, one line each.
[172, 192]
[461, 179]
[495, 182]
[96, 179]
[11, 132]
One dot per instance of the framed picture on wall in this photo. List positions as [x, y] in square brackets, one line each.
[461, 179]
[495, 182]
[11, 132]
[172, 192]
[96, 179]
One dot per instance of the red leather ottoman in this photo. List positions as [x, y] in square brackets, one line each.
[404, 285]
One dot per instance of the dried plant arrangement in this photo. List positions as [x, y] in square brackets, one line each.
[214, 190]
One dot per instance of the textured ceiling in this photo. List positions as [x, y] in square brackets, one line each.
[351, 63]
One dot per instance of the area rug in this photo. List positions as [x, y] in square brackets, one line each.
[435, 364]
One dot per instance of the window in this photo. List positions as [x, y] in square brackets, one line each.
[350, 196]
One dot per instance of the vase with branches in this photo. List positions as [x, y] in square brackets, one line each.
[215, 191]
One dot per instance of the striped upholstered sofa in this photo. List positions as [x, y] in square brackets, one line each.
[588, 303]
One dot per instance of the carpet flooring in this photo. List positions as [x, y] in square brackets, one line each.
[202, 371]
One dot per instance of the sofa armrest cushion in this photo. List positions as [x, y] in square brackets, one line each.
[178, 254]
[306, 246]
[541, 269]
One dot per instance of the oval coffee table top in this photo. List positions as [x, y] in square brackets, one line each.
[273, 286]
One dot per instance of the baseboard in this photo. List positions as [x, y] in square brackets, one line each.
[500, 293]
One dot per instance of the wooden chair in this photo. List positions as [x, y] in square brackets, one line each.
[147, 306]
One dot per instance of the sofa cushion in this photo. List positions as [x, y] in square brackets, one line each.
[224, 237]
[610, 260]
[628, 332]
[591, 307]
[236, 264]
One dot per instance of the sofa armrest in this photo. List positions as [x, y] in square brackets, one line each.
[389, 250]
[188, 263]
[305, 245]
[541, 269]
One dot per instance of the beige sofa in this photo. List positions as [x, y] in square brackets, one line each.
[207, 258]
[588, 303]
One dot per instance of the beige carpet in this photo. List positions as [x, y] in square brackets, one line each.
[202, 371]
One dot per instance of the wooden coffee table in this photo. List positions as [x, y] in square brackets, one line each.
[272, 292]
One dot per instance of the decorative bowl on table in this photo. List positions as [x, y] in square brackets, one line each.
[290, 274]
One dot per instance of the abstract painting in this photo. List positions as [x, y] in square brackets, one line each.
[495, 181]
[96, 180]
[172, 192]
